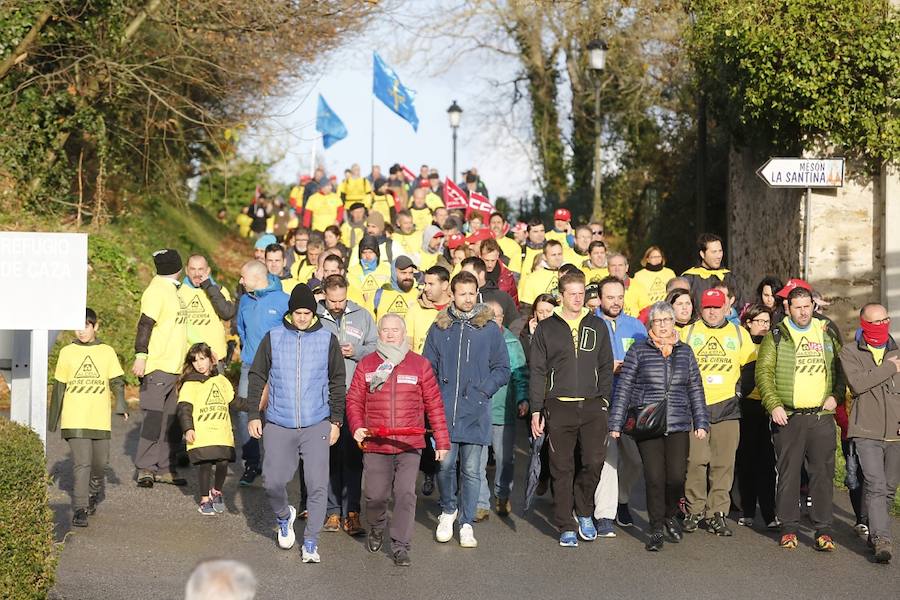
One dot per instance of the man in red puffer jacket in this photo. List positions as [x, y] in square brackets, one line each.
[392, 390]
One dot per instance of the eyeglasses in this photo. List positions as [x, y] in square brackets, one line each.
[765, 322]
[884, 321]
[596, 231]
[662, 321]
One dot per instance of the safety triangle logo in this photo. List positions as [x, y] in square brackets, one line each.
[369, 284]
[399, 306]
[215, 396]
[712, 348]
[553, 285]
[87, 370]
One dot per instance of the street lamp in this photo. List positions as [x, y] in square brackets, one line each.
[455, 114]
[597, 57]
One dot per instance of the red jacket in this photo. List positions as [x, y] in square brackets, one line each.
[409, 393]
[507, 283]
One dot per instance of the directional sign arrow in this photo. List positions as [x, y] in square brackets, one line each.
[803, 172]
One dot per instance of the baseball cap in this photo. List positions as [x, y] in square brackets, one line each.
[713, 298]
[404, 262]
[791, 285]
[562, 214]
[479, 236]
[455, 241]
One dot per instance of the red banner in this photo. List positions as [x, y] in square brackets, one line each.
[454, 198]
[410, 176]
[479, 203]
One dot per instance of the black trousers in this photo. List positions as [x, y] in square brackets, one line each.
[755, 461]
[809, 438]
[665, 468]
[204, 471]
[583, 422]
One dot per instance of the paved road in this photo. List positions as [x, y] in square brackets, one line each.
[144, 543]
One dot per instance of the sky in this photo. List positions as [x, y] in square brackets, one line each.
[289, 135]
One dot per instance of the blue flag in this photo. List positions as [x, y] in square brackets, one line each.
[329, 124]
[387, 87]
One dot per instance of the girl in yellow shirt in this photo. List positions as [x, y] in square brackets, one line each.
[204, 399]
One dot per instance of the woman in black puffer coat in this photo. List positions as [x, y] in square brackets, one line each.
[662, 368]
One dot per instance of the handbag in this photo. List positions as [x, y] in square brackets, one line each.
[648, 421]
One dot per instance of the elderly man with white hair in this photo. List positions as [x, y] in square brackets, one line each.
[391, 391]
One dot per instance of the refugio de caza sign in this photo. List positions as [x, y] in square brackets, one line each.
[803, 172]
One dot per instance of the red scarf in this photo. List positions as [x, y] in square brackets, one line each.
[875, 334]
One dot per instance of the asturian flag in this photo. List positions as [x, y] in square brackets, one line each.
[387, 87]
[329, 124]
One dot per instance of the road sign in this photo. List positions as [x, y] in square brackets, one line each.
[803, 172]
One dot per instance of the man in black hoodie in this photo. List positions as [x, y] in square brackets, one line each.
[572, 350]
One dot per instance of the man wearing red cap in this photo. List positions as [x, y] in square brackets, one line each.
[801, 384]
[872, 367]
[721, 349]
[796, 282]
[562, 227]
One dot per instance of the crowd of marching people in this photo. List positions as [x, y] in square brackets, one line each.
[390, 325]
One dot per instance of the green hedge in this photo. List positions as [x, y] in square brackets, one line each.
[27, 552]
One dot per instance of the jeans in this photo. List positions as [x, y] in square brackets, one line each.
[249, 445]
[503, 443]
[469, 457]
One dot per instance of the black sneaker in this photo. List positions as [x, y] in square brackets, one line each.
[656, 542]
[80, 518]
[374, 540]
[623, 516]
[691, 523]
[672, 531]
[428, 485]
[718, 525]
[93, 501]
[401, 558]
[251, 472]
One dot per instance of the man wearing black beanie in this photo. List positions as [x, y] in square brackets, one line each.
[302, 364]
[159, 349]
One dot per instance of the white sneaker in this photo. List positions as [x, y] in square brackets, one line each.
[285, 532]
[310, 553]
[444, 531]
[467, 537]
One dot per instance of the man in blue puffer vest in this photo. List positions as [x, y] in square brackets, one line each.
[302, 363]
[623, 461]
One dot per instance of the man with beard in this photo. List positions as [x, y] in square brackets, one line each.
[401, 293]
[509, 248]
[489, 292]
[497, 272]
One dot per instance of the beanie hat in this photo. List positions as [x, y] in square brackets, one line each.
[370, 243]
[302, 297]
[167, 261]
[264, 241]
[376, 218]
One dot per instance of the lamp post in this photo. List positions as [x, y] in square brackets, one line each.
[597, 56]
[454, 113]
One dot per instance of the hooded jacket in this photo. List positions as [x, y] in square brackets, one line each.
[558, 371]
[257, 313]
[503, 278]
[305, 373]
[471, 363]
[354, 327]
[406, 397]
[644, 377]
[876, 391]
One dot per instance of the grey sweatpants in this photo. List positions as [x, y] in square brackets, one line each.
[283, 450]
[160, 433]
[386, 473]
[89, 460]
[881, 463]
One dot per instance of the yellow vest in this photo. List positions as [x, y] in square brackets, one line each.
[542, 281]
[243, 222]
[168, 341]
[203, 324]
[324, 208]
[418, 321]
[720, 352]
[347, 235]
[654, 282]
[421, 217]
[86, 371]
[393, 301]
[363, 287]
[209, 401]
[411, 243]
[513, 251]
[355, 190]
[382, 204]
[559, 236]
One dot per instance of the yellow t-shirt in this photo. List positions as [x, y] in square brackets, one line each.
[654, 282]
[542, 281]
[355, 190]
[382, 203]
[324, 208]
[296, 196]
[636, 299]
[86, 371]
[593, 273]
[528, 261]
[421, 217]
[411, 243]
[395, 302]
[720, 354]
[810, 376]
[418, 321]
[209, 400]
[243, 222]
[168, 341]
[877, 353]
[203, 324]
[573, 327]
[513, 251]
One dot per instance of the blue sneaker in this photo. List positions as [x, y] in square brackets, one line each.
[623, 516]
[586, 529]
[605, 528]
[310, 553]
[568, 539]
[206, 509]
[285, 533]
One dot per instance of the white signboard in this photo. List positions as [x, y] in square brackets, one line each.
[803, 172]
[44, 276]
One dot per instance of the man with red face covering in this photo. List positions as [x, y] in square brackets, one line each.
[872, 368]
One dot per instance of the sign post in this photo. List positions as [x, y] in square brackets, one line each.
[808, 173]
[49, 271]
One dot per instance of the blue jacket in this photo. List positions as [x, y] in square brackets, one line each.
[627, 332]
[642, 380]
[305, 373]
[470, 361]
[257, 313]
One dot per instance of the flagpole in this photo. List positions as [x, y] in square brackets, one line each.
[372, 141]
